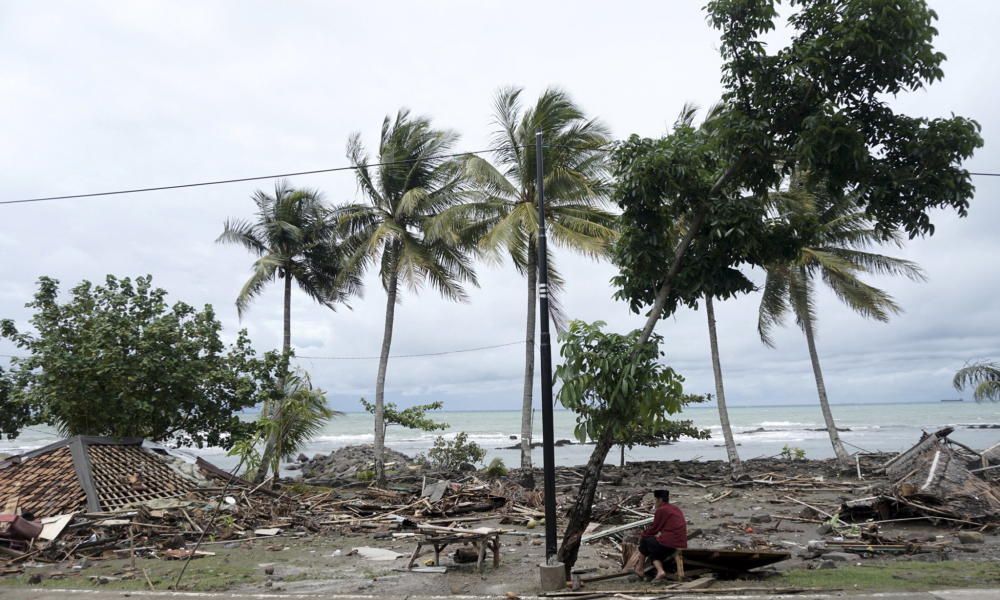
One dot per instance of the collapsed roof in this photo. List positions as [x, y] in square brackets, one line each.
[84, 473]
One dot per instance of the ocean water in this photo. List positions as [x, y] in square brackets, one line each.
[873, 427]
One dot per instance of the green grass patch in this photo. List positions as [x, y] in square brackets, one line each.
[906, 575]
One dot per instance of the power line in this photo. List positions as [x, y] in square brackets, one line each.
[421, 355]
[288, 174]
[240, 179]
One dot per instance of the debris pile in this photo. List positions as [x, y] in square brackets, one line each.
[90, 498]
[937, 478]
[351, 464]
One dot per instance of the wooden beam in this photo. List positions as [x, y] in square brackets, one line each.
[619, 529]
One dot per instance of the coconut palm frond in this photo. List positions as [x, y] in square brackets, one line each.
[985, 376]
[686, 117]
[801, 297]
[301, 415]
[879, 264]
[265, 270]
[773, 304]
[481, 173]
[839, 256]
[587, 237]
[244, 233]
[556, 286]
[507, 141]
[866, 300]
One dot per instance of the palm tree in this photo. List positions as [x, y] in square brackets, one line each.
[303, 413]
[401, 227]
[720, 392]
[838, 256]
[506, 214]
[293, 236]
[985, 376]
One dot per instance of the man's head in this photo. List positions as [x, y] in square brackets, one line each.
[661, 497]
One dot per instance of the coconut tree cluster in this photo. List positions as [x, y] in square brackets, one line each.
[802, 171]
[428, 214]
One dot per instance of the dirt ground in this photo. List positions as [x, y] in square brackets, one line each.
[771, 516]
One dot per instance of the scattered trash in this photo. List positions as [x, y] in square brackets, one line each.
[375, 553]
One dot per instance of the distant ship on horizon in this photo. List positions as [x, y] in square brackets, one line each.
[953, 400]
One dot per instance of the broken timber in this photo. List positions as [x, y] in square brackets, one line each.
[616, 530]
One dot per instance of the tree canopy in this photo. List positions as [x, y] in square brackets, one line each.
[819, 104]
[822, 103]
[118, 360]
[294, 237]
[616, 386]
[414, 417]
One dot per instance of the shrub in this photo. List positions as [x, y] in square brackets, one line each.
[451, 455]
[496, 468]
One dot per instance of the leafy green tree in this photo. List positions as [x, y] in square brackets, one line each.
[400, 227]
[506, 212]
[618, 390]
[985, 376]
[450, 455]
[414, 417]
[819, 103]
[294, 239]
[838, 255]
[666, 432]
[10, 421]
[117, 360]
[735, 231]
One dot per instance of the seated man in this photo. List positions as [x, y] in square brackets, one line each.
[661, 539]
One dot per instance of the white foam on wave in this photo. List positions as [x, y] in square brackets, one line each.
[344, 438]
[787, 435]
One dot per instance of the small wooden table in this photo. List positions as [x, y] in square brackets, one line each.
[480, 541]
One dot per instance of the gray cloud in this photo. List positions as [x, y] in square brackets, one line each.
[120, 94]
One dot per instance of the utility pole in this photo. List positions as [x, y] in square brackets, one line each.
[545, 352]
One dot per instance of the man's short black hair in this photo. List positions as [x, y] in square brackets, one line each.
[662, 495]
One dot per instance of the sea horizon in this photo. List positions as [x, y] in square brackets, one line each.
[760, 431]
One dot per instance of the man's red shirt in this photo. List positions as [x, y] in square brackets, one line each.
[669, 527]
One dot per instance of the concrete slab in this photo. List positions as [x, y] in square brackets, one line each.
[967, 595]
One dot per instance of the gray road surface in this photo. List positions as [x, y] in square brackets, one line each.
[52, 594]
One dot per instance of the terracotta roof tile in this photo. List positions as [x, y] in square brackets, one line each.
[44, 485]
[48, 482]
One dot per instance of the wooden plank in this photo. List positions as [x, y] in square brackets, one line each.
[618, 529]
[697, 584]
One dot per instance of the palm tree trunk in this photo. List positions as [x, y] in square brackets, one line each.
[286, 342]
[527, 474]
[824, 403]
[720, 392]
[383, 364]
[269, 410]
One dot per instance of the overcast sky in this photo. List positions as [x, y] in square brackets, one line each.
[110, 95]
